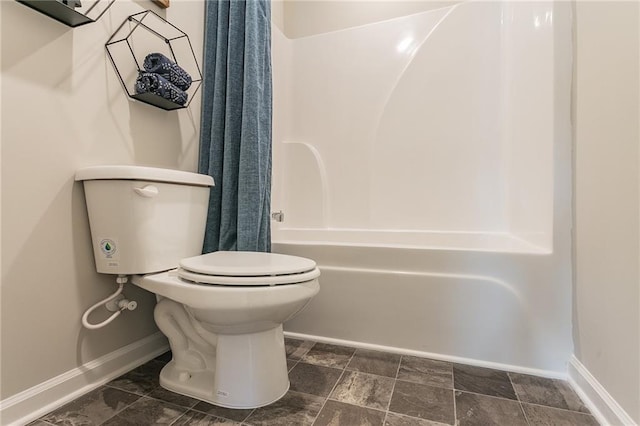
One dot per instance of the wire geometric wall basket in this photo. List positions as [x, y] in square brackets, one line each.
[154, 61]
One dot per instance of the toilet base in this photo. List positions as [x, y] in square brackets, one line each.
[250, 372]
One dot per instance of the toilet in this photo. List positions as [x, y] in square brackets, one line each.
[222, 312]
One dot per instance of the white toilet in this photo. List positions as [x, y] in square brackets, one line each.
[222, 312]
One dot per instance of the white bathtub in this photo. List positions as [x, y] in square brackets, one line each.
[424, 162]
[482, 299]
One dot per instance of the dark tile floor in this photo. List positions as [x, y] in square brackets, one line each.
[341, 386]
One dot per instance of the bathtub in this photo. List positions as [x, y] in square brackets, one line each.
[424, 162]
[488, 300]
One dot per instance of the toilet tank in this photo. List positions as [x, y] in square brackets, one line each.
[144, 219]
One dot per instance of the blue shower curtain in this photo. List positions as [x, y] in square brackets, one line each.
[235, 142]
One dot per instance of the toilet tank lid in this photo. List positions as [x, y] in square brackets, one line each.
[142, 173]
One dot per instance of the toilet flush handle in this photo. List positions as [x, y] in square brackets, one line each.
[147, 191]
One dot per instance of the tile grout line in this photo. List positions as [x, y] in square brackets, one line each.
[308, 349]
[334, 386]
[453, 386]
[175, 404]
[327, 397]
[526, 419]
[482, 394]
[179, 417]
[543, 405]
[524, 413]
[295, 362]
[124, 390]
[557, 408]
[351, 358]
[243, 422]
[515, 392]
[521, 403]
[365, 408]
[378, 375]
[393, 389]
[455, 404]
[249, 415]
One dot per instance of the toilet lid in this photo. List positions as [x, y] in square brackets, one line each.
[247, 268]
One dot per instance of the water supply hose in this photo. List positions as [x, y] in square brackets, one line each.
[121, 280]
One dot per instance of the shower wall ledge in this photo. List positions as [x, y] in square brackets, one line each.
[495, 242]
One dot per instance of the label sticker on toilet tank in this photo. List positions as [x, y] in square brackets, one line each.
[109, 251]
[108, 248]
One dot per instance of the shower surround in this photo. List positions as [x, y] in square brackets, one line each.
[424, 163]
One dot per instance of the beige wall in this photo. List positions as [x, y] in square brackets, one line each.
[304, 18]
[277, 13]
[607, 281]
[63, 108]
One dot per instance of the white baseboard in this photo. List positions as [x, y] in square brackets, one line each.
[460, 360]
[34, 402]
[601, 404]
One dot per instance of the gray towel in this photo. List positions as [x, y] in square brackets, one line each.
[160, 64]
[153, 83]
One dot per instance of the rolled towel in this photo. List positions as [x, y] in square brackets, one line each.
[153, 83]
[160, 64]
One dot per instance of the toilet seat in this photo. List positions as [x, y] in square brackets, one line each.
[238, 268]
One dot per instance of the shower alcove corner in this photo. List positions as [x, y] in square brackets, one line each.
[70, 12]
[144, 33]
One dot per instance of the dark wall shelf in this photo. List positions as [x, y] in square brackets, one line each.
[144, 33]
[67, 14]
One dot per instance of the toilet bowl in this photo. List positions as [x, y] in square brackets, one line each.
[222, 312]
[225, 326]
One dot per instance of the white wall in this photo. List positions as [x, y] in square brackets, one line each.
[607, 215]
[63, 108]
